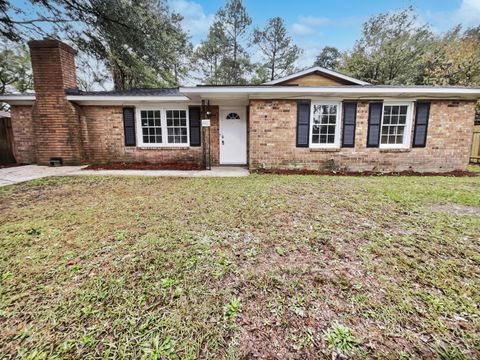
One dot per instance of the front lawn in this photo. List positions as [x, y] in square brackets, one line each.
[265, 266]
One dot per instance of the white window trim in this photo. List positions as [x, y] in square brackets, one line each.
[163, 123]
[338, 124]
[408, 126]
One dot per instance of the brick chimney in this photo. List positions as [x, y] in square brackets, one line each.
[55, 120]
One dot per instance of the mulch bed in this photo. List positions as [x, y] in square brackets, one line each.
[365, 173]
[144, 166]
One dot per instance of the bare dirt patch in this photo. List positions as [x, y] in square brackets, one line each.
[457, 209]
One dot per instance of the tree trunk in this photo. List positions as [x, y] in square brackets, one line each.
[118, 77]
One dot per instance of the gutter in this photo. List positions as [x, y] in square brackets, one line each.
[330, 90]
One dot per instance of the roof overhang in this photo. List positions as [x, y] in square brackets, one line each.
[18, 99]
[346, 92]
[122, 99]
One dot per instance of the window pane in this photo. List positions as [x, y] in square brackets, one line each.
[151, 126]
[177, 126]
[324, 122]
[393, 125]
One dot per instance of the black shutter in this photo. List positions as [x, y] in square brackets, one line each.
[303, 123]
[349, 122]
[422, 112]
[374, 124]
[129, 125]
[195, 125]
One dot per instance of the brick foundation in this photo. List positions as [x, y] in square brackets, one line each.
[272, 129]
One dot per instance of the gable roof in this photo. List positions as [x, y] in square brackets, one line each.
[319, 70]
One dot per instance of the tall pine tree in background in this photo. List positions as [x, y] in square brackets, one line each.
[209, 55]
[222, 58]
[277, 49]
[234, 19]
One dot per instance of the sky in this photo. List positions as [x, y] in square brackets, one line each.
[314, 24]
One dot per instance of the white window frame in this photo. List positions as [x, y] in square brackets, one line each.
[338, 124]
[163, 113]
[408, 126]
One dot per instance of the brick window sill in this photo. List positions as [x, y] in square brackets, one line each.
[395, 150]
[158, 147]
[324, 150]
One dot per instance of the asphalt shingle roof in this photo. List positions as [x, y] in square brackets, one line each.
[131, 92]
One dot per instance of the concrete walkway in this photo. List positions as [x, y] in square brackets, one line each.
[217, 171]
[18, 174]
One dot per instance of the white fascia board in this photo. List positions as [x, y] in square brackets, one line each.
[332, 90]
[118, 98]
[18, 99]
[319, 69]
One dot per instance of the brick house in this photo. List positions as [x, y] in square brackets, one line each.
[315, 119]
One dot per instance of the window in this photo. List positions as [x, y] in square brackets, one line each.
[177, 126]
[162, 127]
[325, 125]
[151, 121]
[396, 125]
[233, 116]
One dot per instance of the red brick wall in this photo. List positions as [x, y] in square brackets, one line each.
[103, 138]
[55, 120]
[272, 131]
[23, 134]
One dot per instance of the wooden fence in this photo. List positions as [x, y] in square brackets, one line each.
[475, 152]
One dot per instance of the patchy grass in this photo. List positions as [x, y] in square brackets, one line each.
[474, 168]
[267, 266]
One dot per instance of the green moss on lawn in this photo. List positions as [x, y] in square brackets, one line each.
[109, 267]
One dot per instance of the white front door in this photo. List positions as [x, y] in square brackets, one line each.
[233, 136]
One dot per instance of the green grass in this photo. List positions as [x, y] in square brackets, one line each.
[153, 268]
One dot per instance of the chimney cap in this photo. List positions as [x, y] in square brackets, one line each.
[49, 42]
